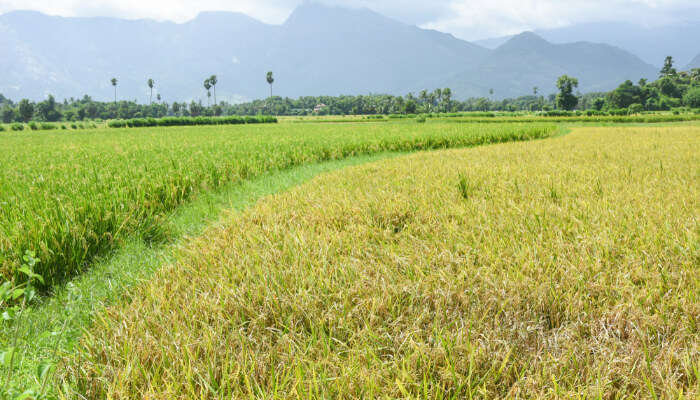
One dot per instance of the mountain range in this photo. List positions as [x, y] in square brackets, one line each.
[695, 63]
[318, 50]
[651, 43]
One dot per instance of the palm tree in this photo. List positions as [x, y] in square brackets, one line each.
[491, 92]
[270, 81]
[114, 83]
[423, 96]
[535, 90]
[158, 97]
[447, 96]
[150, 84]
[213, 81]
[207, 86]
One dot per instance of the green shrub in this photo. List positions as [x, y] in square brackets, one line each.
[45, 126]
[17, 127]
[33, 126]
[636, 109]
[618, 112]
[421, 119]
[480, 114]
[117, 123]
[559, 113]
[595, 113]
[692, 98]
[2, 128]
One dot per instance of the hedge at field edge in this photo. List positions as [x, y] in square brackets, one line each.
[187, 121]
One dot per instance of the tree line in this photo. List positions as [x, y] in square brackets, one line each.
[671, 90]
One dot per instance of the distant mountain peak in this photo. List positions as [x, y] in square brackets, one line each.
[695, 63]
[314, 12]
[221, 14]
[224, 17]
[529, 35]
[525, 40]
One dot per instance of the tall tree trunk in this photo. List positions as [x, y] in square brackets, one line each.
[214, 95]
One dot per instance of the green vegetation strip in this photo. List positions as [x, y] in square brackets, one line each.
[633, 119]
[486, 118]
[75, 195]
[190, 121]
[560, 268]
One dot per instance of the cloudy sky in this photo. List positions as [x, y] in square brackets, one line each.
[467, 19]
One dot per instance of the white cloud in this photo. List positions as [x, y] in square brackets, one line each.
[468, 19]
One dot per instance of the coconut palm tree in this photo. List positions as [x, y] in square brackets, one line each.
[213, 80]
[270, 81]
[150, 84]
[207, 86]
[438, 96]
[447, 98]
[423, 97]
[114, 83]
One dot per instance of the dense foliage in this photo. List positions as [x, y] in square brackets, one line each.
[672, 90]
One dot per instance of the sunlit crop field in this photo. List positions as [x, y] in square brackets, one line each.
[567, 267]
[71, 195]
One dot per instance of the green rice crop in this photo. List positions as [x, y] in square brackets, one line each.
[564, 268]
[70, 196]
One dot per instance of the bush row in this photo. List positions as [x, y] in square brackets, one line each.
[45, 126]
[618, 112]
[605, 118]
[187, 121]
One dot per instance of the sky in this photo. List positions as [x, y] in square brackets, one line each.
[466, 19]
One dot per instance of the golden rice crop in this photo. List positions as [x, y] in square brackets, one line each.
[69, 196]
[562, 268]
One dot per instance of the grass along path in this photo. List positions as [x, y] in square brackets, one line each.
[562, 268]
